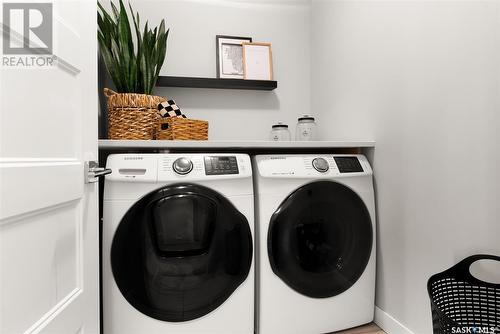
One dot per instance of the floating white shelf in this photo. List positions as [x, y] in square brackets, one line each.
[241, 145]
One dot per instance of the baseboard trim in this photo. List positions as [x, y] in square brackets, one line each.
[388, 324]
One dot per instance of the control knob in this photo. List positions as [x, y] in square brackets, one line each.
[182, 166]
[321, 165]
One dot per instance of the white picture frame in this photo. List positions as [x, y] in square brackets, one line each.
[230, 56]
[257, 61]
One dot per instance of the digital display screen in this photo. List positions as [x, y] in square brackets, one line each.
[348, 164]
[221, 165]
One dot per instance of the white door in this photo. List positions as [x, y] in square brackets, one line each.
[49, 249]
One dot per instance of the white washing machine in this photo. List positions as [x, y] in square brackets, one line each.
[315, 226]
[178, 244]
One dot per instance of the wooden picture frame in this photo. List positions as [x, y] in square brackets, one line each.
[257, 61]
[229, 56]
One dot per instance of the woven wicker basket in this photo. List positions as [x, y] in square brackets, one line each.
[132, 116]
[176, 128]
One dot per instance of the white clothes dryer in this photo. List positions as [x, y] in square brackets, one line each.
[315, 222]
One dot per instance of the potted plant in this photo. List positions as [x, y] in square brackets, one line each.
[134, 69]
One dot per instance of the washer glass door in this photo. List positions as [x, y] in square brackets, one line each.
[180, 252]
[320, 239]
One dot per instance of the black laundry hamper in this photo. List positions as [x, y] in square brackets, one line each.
[461, 302]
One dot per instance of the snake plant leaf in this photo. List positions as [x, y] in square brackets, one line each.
[100, 23]
[115, 51]
[146, 30]
[162, 51]
[149, 63]
[137, 23]
[101, 8]
[115, 11]
[139, 37]
[104, 29]
[124, 45]
[110, 65]
[143, 67]
[103, 11]
[133, 76]
[162, 48]
[161, 30]
[125, 25]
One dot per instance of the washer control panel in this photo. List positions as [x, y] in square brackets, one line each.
[159, 167]
[217, 165]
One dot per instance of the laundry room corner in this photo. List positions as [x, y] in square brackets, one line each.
[422, 79]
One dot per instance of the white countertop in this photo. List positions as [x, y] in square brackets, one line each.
[200, 144]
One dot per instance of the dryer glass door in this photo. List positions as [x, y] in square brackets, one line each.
[320, 239]
[180, 252]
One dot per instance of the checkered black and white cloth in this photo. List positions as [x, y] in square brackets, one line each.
[170, 109]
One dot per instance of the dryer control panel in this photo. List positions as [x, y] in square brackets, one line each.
[312, 165]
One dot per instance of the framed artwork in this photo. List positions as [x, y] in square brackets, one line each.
[257, 61]
[230, 56]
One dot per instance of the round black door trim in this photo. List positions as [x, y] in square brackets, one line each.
[180, 252]
[320, 239]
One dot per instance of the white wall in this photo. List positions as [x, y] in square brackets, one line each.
[422, 79]
[235, 114]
